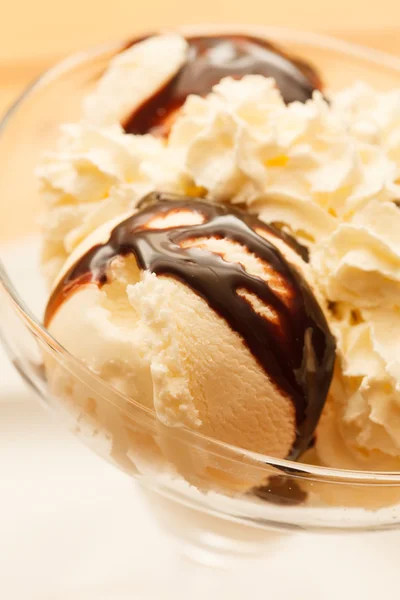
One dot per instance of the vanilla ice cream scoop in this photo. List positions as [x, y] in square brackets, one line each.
[146, 84]
[204, 314]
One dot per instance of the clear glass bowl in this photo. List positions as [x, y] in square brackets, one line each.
[200, 489]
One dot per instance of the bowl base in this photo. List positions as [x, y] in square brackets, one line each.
[208, 540]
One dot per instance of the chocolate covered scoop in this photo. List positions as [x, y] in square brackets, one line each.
[210, 59]
[262, 296]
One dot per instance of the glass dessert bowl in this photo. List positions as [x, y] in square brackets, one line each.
[218, 501]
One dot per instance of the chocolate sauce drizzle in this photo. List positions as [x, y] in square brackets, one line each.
[210, 59]
[282, 490]
[297, 353]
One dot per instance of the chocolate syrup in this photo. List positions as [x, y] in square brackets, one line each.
[281, 489]
[210, 59]
[297, 353]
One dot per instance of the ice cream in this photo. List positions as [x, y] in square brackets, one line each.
[204, 314]
[144, 93]
[235, 121]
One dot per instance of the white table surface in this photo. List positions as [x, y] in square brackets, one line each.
[73, 528]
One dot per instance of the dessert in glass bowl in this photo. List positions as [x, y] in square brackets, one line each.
[219, 241]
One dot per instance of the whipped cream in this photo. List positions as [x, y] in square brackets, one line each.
[96, 174]
[365, 405]
[359, 262]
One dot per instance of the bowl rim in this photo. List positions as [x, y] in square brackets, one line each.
[281, 35]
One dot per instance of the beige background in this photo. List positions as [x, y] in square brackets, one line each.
[36, 33]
